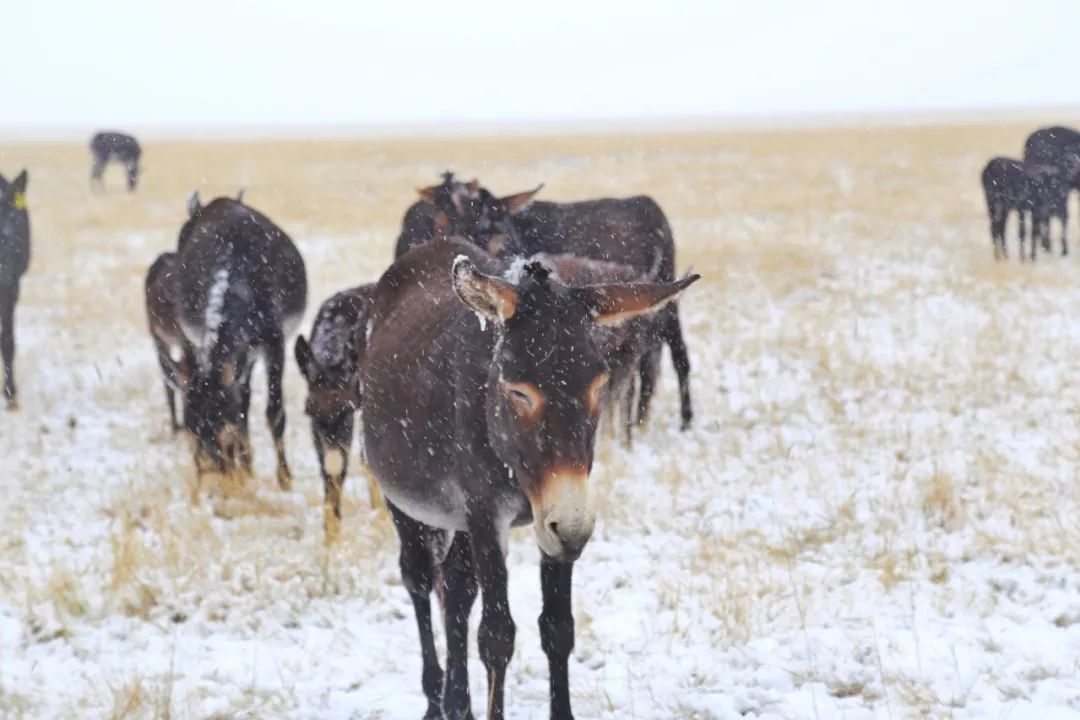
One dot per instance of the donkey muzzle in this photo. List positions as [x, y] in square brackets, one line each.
[563, 517]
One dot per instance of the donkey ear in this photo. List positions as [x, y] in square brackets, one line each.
[428, 194]
[487, 296]
[194, 205]
[615, 304]
[516, 203]
[304, 356]
[240, 195]
[3, 184]
[20, 181]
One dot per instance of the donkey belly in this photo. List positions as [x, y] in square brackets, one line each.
[443, 508]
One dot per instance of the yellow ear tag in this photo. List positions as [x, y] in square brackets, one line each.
[20, 201]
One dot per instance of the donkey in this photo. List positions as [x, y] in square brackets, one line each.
[242, 289]
[473, 427]
[632, 231]
[330, 364]
[1056, 148]
[1008, 187]
[161, 292]
[14, 261]
[123, 148]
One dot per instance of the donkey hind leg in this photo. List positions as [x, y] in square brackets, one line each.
[1022, 232]
[680, 357]
[1064, 217]
[275, 407]
[417, 574]
[9, 295]
[132, 168]
[497, 629]
[557, 632]
[459, 579]
[648, 368]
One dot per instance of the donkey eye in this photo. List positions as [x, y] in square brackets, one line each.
[524, 396]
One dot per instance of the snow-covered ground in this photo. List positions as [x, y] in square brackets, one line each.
[874, 514]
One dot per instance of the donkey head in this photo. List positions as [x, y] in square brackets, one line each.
[489, 221]
[545, 385]
[473, 212]
[332, 401]
[13, 194]
[214, 416]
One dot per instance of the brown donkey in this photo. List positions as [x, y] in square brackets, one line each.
[330, 364]
[472, 427]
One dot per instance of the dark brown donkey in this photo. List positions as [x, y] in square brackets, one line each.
[473, 427]
[121, 147]
[242, 290]
[330, 364]
[14, 261]
[162, 293]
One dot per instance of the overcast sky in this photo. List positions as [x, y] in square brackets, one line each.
[89, 63]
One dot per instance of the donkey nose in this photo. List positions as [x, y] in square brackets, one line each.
[573, 539]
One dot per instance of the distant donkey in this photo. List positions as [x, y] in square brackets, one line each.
[14, 260]
[1038, 194]
[1008, 188]
[122, 148]
[1054, 154]
[330, 364]
[242, 290]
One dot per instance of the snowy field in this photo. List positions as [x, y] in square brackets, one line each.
[874, 515]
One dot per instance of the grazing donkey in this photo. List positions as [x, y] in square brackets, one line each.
[473, 427]
[161, 292]
[14, 260]
[1008, 187]
[241, 290]
[330, 364]
[633, 231]
[123, 148]
[1054, 149]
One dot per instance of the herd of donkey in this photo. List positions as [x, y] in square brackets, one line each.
[482, 359]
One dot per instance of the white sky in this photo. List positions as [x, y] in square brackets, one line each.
[79, 63]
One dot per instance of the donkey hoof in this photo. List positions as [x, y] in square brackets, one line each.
[284, 478]
[12, 405]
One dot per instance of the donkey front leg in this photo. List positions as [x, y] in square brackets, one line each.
[275, 407]
[417, 574]
[9, 295]
[557, 632]
[497, 630]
